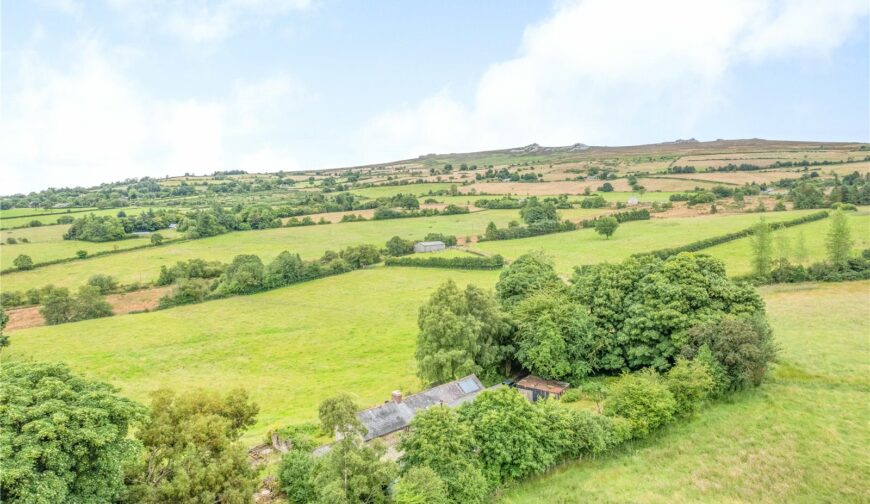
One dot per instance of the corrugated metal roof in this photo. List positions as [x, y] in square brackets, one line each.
[391, 416]
[430, 243]
[536, 383]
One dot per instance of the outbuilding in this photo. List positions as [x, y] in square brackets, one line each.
[429, 246]
[534, 388]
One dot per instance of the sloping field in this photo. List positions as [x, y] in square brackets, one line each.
[48, 219]
[737, 254]
[801, 437]
[309, 241]
[290, 348]
[415, 189]
[585, 246]
[47, 244]
[738, 177]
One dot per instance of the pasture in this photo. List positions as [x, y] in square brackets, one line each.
[309, 241]
[800, 437]
[46, 243]
[585, 246]
[290, 348]
[415, 189]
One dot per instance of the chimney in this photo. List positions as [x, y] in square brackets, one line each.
[397, 396]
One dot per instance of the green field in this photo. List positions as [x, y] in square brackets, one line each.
[309, 241]
[585, 246]
[801, 437]
[22, 212]
[47, 244]
[736, 254]
[290, 348]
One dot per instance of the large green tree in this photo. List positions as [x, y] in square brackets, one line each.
[63, 439]
[354, 472]
[460, 333]
[555, 338]
[192, 453]
[437, 439]
[338, 415]
[509, 434]
[529, 273]
[643, 307]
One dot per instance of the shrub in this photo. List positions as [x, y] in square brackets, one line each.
[104, 283]
[362, 255]
[606, 226]
[420, 485]
[643, 399]
[396, 246]
[244, 275]
[192, 268]
[65, 219]
[11, 240]
[23, 262]
[57, 307]
[448, 240]
[89, 303]
[571, 395]
[296, 476]
[596, 201]
[186, 291]
[156, 239]
[81, 254]
[743, 346]
[691, 382]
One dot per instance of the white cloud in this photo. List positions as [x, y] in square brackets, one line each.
[88, 123]
[613, 72]
[203, 22]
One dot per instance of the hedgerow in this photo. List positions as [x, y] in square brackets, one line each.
[466, 263]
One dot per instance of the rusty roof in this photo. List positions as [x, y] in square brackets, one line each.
[538, 383]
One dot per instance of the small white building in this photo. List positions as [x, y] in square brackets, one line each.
[632, 201]
[429, 246]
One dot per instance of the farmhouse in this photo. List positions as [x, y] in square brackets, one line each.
[396, 414]
[535, 388]
[429, 246]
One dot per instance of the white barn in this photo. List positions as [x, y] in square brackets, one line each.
[429, 246]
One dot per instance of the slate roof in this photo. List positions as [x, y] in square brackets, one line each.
[392, 416]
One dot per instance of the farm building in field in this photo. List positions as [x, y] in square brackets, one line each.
[429, 246]
[535, 388]
[632, 201]
[396, 414]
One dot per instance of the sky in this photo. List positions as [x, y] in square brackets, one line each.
[103, 90]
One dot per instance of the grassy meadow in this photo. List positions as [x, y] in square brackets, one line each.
[800, 437]
[585, 246]
[290, 348]
[47, 244]
[309, 241]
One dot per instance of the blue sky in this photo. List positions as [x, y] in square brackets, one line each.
[106, 89]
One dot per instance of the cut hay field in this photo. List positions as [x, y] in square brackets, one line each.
[47, 244]
[309, 241]
[800, 437]
[585, 246]
[290, 348]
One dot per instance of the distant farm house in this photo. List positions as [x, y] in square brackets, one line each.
[632, 201]
[429, 246]
[395, 415]
[535, 388]
[173, 226]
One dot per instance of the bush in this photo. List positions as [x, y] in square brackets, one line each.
[65, 219]
[743, 346]
[156, 239]
[448, 240]
[362, 255]
[596, 201]
[104, 283]
[90, 304]
[571, 395]
[11, 240]
[396, 246]
[296, 476]
[23, 262]
[643, 399]
[186, 291]
[192, 268]
[244, 275]
[420, 485]
[81, 254]
[691, 382]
